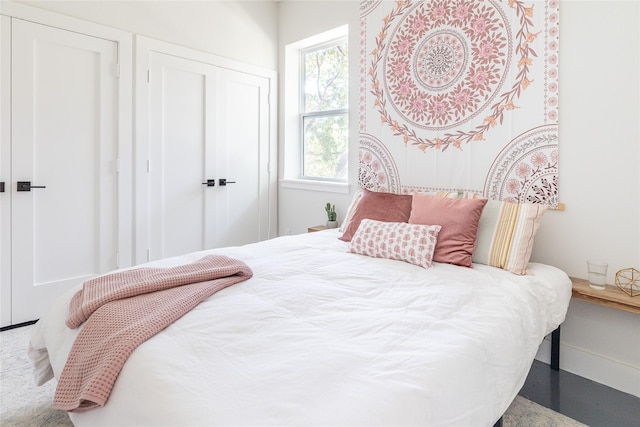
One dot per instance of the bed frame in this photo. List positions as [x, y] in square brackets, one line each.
[555, 359]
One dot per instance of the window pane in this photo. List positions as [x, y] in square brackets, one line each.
[326, 77]
[325, 146]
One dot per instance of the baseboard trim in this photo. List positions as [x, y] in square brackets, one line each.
[18, 325]
[605, 371]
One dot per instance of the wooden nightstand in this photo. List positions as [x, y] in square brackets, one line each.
[612, 296]
[316, 228]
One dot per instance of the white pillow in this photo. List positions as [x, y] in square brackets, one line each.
[351, 210]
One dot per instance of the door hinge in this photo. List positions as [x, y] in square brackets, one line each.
[148, 76]
[117, 60]
[117, 165]
[148, 166]
[148, 255]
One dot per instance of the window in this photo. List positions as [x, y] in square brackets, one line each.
[315, 124]
[324, 119]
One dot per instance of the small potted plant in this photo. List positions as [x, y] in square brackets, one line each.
[331, 216]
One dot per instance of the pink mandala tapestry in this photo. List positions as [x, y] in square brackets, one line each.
[462, 95]
[376, 169]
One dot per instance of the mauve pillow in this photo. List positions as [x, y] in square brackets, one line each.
[459, 219]
[379, 206]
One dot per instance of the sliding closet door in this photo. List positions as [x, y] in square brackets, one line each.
[64, 164]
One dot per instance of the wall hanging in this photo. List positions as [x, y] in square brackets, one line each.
[460, 95]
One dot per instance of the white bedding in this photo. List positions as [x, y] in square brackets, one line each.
[319, 336]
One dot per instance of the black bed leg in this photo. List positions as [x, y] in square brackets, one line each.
[555, 349]
[498, 423]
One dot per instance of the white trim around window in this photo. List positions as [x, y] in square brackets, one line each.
[292, 153]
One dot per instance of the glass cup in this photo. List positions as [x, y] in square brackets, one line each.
[597, 274]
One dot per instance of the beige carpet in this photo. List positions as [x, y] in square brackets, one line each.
[23, 404]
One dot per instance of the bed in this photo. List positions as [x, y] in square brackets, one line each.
[320, 335]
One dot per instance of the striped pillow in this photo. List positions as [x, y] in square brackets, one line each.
[505, 234]
[458, 194]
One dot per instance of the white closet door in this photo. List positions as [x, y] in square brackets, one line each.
[181, 155]
[64, 139]
[5, 170]
[242, 140]
[205, 123]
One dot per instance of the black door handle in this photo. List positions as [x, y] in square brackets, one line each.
[26, 186]
[223, 182]
[210, 183]
[2, 187]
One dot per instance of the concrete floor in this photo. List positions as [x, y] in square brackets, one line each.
[583, 400]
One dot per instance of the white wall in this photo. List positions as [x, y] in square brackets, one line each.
[245, 31]
[599, 181]
[299, 209]
[599, 170]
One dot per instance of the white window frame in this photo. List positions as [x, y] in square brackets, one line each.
[292, 114]
[316, 114]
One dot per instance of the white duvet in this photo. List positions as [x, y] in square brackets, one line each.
[321, 337]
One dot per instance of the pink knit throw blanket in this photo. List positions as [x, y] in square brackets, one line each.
[124, 309]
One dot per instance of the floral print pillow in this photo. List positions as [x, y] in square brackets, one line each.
[412, 243]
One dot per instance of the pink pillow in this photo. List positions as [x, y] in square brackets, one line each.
[459, 219]
[387, 207]
[412, 243]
